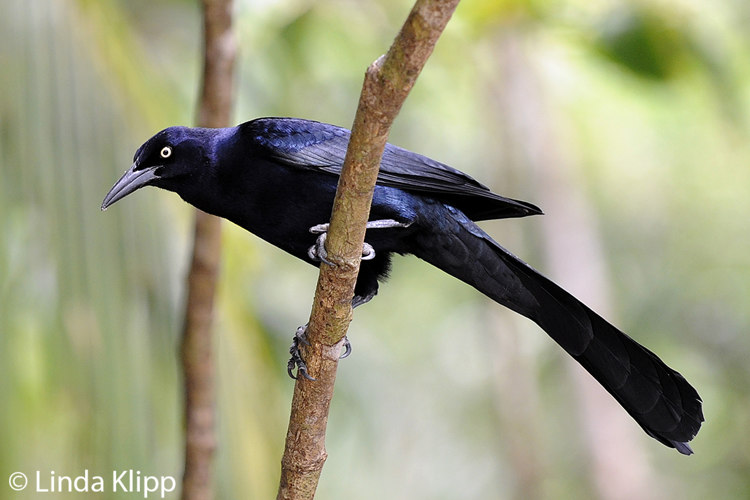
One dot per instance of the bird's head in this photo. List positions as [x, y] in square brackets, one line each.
[168, 160]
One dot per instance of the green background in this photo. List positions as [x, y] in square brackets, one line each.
[626, 121]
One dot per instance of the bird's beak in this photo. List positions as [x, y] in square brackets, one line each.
[130, 181]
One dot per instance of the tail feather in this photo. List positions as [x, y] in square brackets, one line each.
[665, 405]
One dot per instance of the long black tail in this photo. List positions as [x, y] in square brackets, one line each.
[656, 396]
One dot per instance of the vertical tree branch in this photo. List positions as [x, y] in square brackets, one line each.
[387, 84]
[197, 341]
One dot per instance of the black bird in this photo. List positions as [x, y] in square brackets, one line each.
[276, 177]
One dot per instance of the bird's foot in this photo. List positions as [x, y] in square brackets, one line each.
[318, 252]
[296, 361]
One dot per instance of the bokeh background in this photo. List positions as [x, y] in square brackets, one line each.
[626, 121]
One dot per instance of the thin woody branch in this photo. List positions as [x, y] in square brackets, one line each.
[387, 84]
[197, 352]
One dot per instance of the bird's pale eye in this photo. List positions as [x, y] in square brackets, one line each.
[166, 152]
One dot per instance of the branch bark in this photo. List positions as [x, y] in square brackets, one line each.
[387, 84]
[197, 339]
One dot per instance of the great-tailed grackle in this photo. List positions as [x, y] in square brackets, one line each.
[276, 177]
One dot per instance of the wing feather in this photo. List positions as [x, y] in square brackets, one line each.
[319, 146]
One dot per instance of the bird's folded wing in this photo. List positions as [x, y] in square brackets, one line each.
[314, 145]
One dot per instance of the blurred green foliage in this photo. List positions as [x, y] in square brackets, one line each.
[650, 100]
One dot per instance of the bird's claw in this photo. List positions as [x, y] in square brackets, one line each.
[347, 348]
[368, 253]
[296, 362]
[295, 359]
[318, 252]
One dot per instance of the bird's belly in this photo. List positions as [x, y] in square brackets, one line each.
[283, 216]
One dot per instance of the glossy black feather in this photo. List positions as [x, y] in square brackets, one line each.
[656, 396]
[276, 177]
[314, 145]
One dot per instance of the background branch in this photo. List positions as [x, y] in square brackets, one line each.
[387, 83]
[197, 354]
